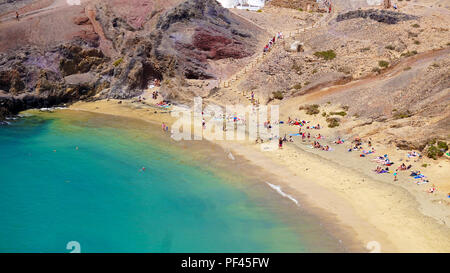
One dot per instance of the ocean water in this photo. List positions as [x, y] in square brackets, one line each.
[74, 176]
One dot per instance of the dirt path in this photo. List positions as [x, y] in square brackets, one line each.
[231, 85]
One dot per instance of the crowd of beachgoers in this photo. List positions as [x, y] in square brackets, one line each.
[310, 133]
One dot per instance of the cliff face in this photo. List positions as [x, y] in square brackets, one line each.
[197, 31]
[113, 49]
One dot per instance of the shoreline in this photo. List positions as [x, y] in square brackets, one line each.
[362, 206]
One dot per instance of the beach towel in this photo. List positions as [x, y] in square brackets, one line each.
[419, 176]
[297, 134]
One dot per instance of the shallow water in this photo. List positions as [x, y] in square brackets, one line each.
[74, 176]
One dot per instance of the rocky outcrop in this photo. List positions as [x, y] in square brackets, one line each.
[382, 16]
[179, 45]
[197, 31]
[32, 79]
[169, 40]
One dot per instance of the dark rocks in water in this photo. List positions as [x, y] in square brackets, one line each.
[382, 16]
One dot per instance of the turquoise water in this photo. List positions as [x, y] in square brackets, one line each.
[78, 177]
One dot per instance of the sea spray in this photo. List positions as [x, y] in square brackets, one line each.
[278, 189]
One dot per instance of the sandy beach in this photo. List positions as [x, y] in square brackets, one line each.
[398, 216]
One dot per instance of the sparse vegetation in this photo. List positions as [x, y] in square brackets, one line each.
[311, 109]
[333, 122]
[300, 9]
[324, 114]
[383, 64]
[314, 71]
[433, 152]
[424, 165]
[416, 26]
[260, 10]
[442, 146]
[402, 114]
[278, 95]
[118, 62]
[365, 49]
[307, 83]
[409, 53]
[407, 68]
[390, 47]
[345, 107]
[435, 65]
[297, 86]
[326, 55]
[341, 113]
[416, 42]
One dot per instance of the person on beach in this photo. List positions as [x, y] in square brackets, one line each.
[17, 16]
[280, 143]
[163, 126]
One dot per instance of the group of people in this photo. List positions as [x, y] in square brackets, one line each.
[164, 127]
[327, 3]
[357, 145]
[317, 145]
[272, 41]
[386, 163]
[154, 95]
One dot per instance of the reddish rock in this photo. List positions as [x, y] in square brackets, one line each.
[88, 36]
[83, 20]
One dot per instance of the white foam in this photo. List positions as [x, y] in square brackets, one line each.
[278, 189]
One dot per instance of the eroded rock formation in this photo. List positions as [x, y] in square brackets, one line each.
[117, 47]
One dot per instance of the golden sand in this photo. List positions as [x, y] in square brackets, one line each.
[400, 216]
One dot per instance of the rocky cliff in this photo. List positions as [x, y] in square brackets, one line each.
[113, 49]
